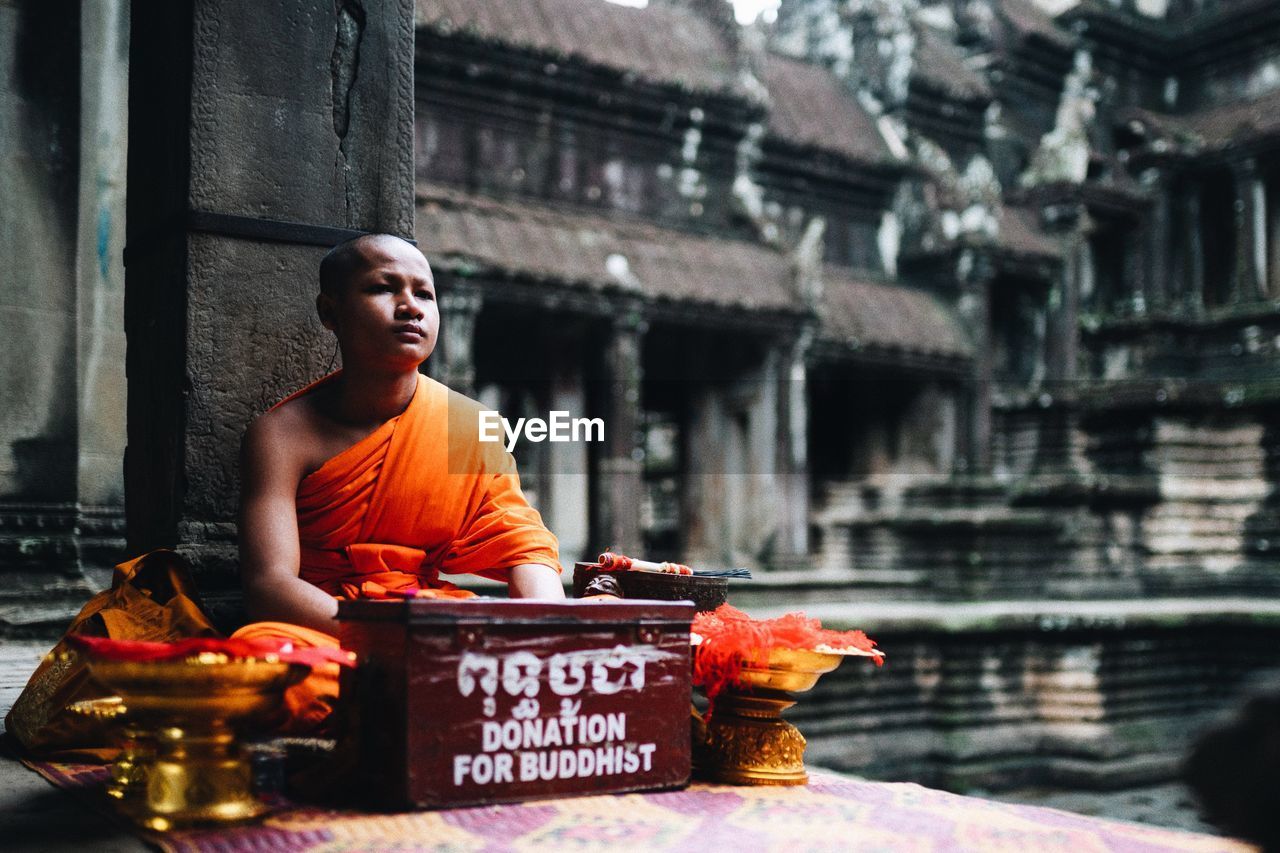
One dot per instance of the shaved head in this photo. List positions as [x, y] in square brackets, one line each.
[345, 260]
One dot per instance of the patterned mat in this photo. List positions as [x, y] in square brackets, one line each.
[831, 813]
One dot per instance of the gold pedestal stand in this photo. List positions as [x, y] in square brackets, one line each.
[177, 722]
[746, 741]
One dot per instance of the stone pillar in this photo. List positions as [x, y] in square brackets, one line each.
[263, 131]
[454, 356]
[1073, 227]
[100, 292]
[977, 273]
[40, 177]
[621, 471]
[1059, 445]
[1251, 233]
[1262, 238]
[791, 466]
[1193, 235]
[1157, 250]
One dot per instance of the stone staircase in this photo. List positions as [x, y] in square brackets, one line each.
[1074, 619]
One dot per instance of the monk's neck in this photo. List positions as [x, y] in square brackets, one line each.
[366, 398]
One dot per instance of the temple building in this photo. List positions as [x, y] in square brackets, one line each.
[691, 235]
[957, 321]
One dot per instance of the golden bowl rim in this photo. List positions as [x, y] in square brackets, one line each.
[131, 678]
[696, 640]
[100, 708]
[197, 659]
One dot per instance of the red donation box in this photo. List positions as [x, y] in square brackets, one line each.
[488, 701]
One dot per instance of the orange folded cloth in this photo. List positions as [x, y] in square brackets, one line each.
[151, 599]
[309, 703]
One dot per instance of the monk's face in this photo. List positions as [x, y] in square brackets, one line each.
[386, 315]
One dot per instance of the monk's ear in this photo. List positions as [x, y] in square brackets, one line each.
[327, 311]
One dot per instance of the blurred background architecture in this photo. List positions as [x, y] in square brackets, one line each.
[956, 321]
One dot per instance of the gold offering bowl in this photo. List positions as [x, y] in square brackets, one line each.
[745, 741]
[177, 723]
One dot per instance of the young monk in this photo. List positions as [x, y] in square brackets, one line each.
[373, 480]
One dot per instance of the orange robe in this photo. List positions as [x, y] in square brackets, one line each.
[420, 497]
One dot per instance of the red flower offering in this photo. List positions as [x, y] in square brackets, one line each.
[728, 640]
[135, 650]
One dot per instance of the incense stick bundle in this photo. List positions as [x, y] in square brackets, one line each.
[723, 573]
[611, 562]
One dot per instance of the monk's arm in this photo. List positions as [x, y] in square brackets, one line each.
[269, 550]
[532, 580]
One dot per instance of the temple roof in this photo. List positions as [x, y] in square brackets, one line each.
[941, 65]
[1237, 14]
[861, 314]
[1028, 20]
[1179, 18]
[662, 43]
[1239, 122]
[1020, 234]
[1212, 129]
[1186, 27]
[479, 235]
[811, 108]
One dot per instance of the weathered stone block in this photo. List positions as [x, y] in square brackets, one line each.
[253, 305]
[223, 326]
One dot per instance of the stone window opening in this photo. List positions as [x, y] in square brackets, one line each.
[1111, 294]
[1018, 327]
[443, 147]
[876, 428]
[852, 243]
[1218, 238]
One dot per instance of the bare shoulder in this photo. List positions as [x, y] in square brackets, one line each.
[279, 443]
[272, 427]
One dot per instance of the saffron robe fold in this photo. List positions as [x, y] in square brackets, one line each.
[420, 497]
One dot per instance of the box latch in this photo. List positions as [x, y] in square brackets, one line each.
[469, 635]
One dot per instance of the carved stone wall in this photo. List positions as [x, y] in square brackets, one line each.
[220, 317]
[1103, 696]
[62, 129]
